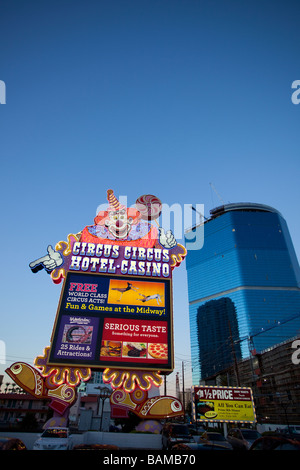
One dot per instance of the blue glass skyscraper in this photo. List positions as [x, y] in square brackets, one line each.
[244, 283]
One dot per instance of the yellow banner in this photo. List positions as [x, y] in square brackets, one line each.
[231, 404]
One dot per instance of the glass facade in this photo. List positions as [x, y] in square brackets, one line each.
[245, 278]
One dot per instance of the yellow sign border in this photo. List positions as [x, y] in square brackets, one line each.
[214, 402]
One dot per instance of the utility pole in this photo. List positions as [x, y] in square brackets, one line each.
[234, 356]
[183, 395]
[177, 386]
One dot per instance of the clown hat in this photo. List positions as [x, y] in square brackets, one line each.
[114, 205]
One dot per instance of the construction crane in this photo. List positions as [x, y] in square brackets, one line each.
[264, 329]
[212, 186]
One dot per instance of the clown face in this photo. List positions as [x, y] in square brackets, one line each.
[118, 223]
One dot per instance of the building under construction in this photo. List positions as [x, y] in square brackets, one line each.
[274, 376]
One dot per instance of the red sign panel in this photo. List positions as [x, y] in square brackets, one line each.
[133, 340]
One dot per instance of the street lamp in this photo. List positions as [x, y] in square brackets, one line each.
[104, 393]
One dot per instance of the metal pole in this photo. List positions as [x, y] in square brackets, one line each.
[103, 400]
[234, 357]
[103, 395]
[183, 395]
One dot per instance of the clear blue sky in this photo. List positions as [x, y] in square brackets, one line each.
[141, 96]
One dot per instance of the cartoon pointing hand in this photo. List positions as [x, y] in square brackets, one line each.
[50, 261]
[166, 239]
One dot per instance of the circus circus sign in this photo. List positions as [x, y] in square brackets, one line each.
[116, 259]
[115, 312]
[115, 308]
[126, 241]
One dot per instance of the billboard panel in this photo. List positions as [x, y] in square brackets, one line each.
[117, 321]
[223, 404]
